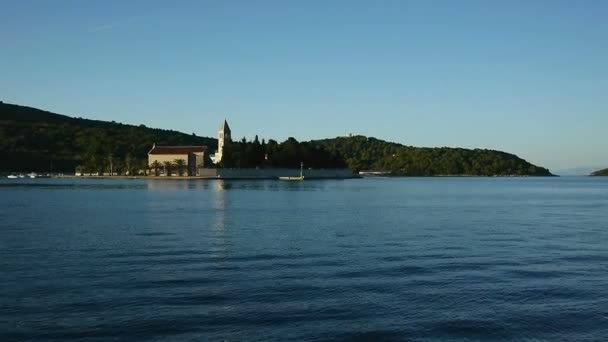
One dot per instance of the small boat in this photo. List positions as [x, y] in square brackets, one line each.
[301, 178]
[21, 176]
[12, 177]
[32, 175]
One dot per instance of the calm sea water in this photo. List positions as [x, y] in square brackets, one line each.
[370, 259]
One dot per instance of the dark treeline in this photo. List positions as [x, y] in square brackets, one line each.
[362, 153]
[603, 172]
[36, 140]
[288, 154]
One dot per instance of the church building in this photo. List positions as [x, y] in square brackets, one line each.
[193, 157]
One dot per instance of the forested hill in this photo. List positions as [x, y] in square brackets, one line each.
[37, 140]
[603, 172]
[362, 153]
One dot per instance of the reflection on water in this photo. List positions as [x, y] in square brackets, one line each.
[167, 184]
[178, 184]
[74, 183]
[222, 185]
[220, 219]
[233, 184]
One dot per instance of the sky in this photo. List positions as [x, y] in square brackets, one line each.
[526, 77]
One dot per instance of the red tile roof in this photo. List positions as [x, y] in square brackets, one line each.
[177, 149]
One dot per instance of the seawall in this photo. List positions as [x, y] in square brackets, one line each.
[275, 173]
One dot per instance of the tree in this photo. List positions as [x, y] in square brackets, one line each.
[140, 166]
[168, 165]
[129, 164]
[179, 164]
[111, 162]
[156, 167]
[206, 161]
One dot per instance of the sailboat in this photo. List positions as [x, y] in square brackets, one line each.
[301, 178]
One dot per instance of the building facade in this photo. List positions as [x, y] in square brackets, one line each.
[193, 157]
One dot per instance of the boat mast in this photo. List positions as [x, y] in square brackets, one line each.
[301, 166]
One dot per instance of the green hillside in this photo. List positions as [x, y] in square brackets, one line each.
[362, 153]
[37, 140]
[603, 172]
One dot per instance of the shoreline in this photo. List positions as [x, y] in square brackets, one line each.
[182, 178]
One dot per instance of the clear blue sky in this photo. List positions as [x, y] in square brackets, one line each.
[527, 77]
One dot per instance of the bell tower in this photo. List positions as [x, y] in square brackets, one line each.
[222, 138]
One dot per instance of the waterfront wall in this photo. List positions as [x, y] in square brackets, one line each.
[274, 173]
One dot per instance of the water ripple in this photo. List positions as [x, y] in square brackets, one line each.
[412, 259]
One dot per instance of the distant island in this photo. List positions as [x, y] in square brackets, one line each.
[603, 172]
[36, 140]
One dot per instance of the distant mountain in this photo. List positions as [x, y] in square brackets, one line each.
[36, 140]
[577, 171]
[603, 172]
[363, 153]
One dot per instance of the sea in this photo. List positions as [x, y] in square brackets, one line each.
[374, 259]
